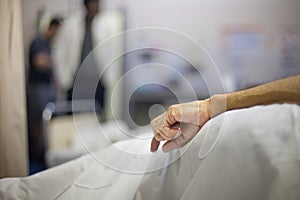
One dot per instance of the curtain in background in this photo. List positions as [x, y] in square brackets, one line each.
[13, 131]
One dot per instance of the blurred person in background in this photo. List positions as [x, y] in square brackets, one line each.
[41, 90]
[78, 37]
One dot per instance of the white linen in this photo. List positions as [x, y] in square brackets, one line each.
[257, 156]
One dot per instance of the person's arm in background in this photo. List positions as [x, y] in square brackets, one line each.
[42, 61]
[39, 57]
[182, 122]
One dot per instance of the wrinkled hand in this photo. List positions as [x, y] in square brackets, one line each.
[179, 124]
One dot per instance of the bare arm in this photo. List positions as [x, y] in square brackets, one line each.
[192, 116]
[280, 91]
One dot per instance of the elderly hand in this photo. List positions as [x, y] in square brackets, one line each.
[179, 124]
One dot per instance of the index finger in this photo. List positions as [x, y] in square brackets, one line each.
[154, 145]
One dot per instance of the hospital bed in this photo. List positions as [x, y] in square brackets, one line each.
[243, 154]
[64, 141]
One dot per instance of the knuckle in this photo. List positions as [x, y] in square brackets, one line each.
[159, 137]
[152, 123]
[170, 137]
[173, 109]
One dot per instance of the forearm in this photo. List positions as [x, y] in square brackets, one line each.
[281, 91]
[42, 61]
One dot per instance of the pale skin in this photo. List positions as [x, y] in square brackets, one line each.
[181, 122]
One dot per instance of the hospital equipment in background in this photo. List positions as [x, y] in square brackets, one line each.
[70, 136]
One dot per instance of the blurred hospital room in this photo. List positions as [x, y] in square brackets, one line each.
[81, 81]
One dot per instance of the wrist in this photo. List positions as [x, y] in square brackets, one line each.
[216, 105]
[207, 103]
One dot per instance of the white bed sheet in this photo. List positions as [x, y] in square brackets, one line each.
[257, 156]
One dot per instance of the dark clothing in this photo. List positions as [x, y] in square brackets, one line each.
[99, 97]
[88, 76]
[37, 46]
[87, 45]
[40, 91]
[38, 95]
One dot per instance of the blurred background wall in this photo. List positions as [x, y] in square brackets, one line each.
[211, 23]
[250, 41]
[214, 23]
